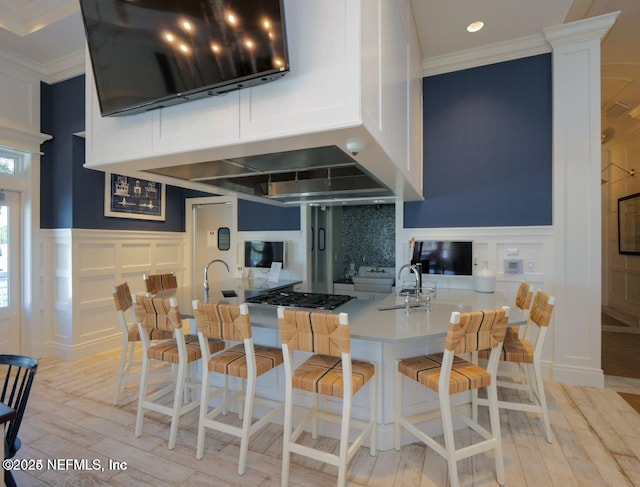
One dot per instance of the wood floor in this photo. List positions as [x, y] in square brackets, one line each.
[597, 442]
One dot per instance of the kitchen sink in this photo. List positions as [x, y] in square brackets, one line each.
[374, 279]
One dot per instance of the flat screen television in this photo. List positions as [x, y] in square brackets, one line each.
[258, 253]
[148, 54]
[444, 257]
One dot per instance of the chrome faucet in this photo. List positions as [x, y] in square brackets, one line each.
[415, 272]
[206, 272]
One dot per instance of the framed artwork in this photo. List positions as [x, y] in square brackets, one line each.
[629, 224]
[130, 197]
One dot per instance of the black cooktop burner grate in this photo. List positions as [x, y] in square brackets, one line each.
[300, 300]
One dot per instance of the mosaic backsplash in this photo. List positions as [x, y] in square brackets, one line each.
[369, 232]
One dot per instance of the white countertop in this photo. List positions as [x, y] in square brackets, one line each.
[366, 320]
[243, 288]
[369, 323]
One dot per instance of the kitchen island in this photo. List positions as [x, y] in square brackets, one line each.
[378, 334]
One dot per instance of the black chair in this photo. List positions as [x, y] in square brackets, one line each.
[20, 372]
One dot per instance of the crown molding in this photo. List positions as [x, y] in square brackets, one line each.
[27, 16]
[33, 67]
[22, 139]
[494, 53]
[60, 70]
[66, 68]
[581, 30]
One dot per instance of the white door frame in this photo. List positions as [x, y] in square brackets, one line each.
[12, 312]
[189, 230]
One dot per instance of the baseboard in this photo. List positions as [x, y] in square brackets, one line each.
[580, 376]
[66, 352]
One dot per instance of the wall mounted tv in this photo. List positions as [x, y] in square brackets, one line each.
[258, 253]
[149, 54]
[444, 257]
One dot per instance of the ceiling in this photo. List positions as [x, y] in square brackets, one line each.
[47, 36]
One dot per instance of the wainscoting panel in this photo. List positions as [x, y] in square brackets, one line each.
[82, 266]
[135, 255]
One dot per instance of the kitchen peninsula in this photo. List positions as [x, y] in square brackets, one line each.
[381, 331]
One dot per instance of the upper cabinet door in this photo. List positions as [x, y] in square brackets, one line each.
[113, 139]
[197, 124]
[322, 90]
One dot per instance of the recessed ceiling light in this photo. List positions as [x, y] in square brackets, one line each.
[475, 26]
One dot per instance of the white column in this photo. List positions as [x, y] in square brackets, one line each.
[576, 199]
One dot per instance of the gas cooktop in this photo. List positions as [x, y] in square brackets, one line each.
[300, 300]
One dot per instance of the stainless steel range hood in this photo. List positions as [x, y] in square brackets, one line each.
[315, 174]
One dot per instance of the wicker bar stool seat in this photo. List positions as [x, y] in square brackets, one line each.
[330, 371]
[448, 374]
[156, 313]
[130, 337]
[521, 351]
[246, 361]
[323, 374]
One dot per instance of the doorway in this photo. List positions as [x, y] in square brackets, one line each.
[10, 300]
[213, 235]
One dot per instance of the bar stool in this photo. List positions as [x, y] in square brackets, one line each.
[524, 295]
[130, 337]
[448, 374]
[326, 335]
[246, 361]
[158, 282]
[523, 352]
[163, 314]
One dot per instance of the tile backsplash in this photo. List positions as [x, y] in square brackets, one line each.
[368, 232]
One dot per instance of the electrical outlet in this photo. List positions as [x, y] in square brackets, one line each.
[531, 266]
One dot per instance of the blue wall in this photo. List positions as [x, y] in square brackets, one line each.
[487, 157]
[61, 114]
[487, 147]
[253, 216]
[71, 195]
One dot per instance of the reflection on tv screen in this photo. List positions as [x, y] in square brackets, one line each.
[444, 257]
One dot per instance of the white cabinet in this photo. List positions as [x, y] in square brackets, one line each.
[191, 126]
[113, 139]
[355, 74]
[322, 90]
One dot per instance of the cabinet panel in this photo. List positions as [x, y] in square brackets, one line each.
[322, 89]
[18, 97]
[114, 139]
[396, 74]
[196, 124]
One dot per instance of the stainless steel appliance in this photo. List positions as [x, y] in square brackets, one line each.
[300, 300]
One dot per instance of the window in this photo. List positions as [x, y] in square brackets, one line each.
[8, 161]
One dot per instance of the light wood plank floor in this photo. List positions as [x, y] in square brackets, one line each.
[597, 442]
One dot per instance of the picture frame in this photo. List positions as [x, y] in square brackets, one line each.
[132, 197]
[629, 225]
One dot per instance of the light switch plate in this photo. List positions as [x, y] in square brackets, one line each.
[513, 266]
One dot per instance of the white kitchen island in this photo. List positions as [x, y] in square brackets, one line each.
[378, 336]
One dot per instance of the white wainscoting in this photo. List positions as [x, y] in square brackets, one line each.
[79, 269]
[534, 245]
